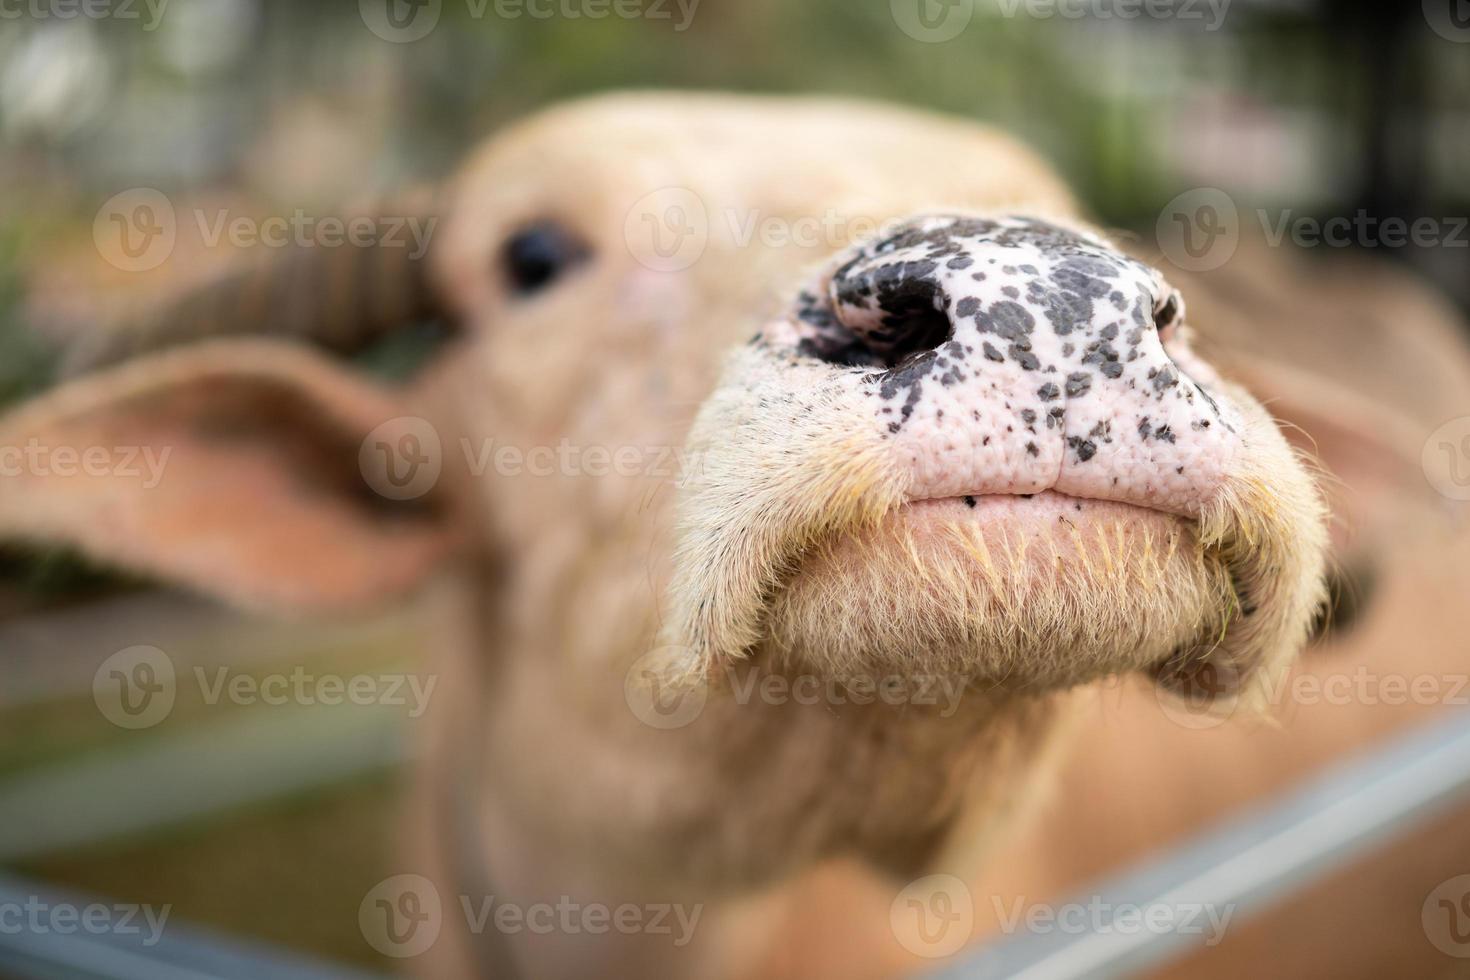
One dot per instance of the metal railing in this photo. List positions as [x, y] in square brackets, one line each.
[1259, 857]
[1264, 855]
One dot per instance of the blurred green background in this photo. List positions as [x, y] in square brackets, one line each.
[1324, 108]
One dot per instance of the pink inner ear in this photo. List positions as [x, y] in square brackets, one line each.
[237, 476]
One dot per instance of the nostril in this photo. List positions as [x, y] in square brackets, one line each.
[1168, 313]
[894, 310]
[915, 332]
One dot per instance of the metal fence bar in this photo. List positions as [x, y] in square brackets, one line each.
[38, 946]
[1265, 854]
[249, 756]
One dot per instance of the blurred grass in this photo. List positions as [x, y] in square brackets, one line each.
[62, 730]
[291, 872]
[27, 366]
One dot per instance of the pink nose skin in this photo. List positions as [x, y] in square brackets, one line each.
[1012, 356]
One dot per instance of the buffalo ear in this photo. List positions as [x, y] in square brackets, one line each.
[238, 468]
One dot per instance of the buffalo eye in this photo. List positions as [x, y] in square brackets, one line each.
[537, 255]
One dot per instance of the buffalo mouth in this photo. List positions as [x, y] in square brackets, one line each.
[1028, 593]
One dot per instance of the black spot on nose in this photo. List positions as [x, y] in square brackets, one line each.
[896, 309]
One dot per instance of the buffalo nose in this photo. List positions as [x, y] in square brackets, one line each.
[1015, 355]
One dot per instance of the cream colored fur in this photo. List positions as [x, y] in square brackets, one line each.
[772, 557]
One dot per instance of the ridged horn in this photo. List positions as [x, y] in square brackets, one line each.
[343, 299]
